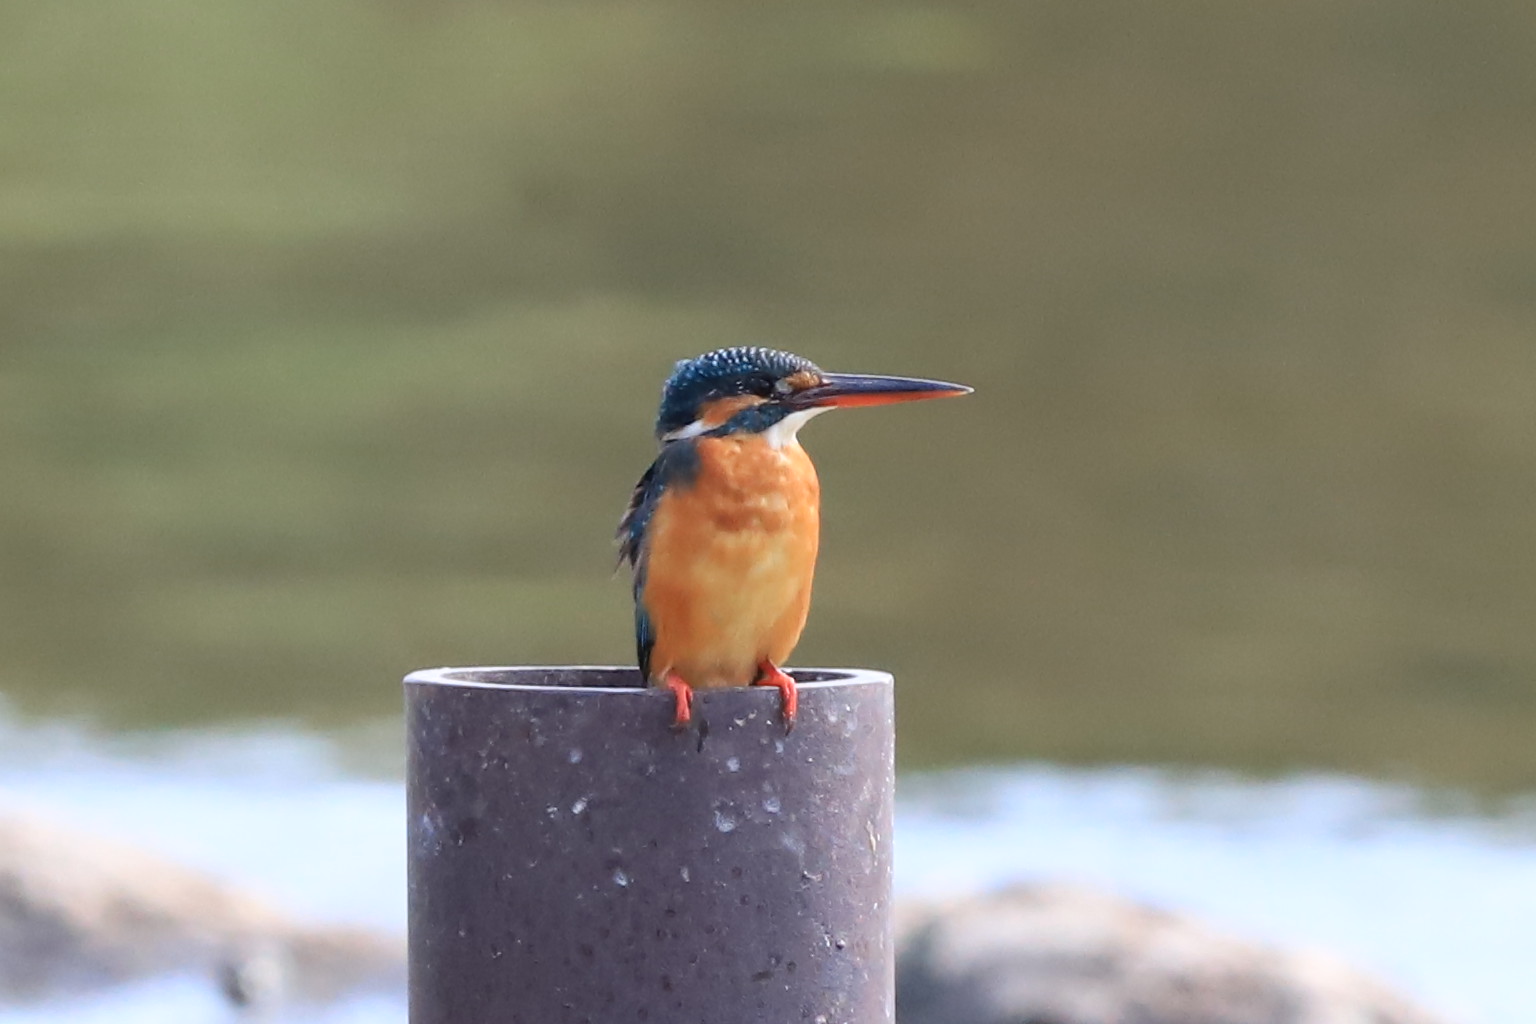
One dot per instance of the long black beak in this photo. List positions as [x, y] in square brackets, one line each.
[839, 390]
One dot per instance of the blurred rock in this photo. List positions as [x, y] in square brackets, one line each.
[79, 912]
[1057, 954]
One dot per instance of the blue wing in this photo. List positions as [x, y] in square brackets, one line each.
[677, 465]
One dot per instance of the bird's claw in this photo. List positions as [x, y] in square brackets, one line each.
[770, 674]
[684, 696]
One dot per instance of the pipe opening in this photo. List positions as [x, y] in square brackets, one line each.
[604, 677]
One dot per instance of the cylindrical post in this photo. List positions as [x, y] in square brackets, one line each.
[573, 860]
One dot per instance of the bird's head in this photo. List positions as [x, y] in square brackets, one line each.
[765, 391]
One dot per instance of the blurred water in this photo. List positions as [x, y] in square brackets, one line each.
[331, 335]
[1433, 895]
[190, 1001]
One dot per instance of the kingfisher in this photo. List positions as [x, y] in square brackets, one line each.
[723, 528]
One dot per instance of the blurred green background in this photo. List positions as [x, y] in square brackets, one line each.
[331, 333]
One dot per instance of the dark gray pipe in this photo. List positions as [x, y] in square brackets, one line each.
[574, 861]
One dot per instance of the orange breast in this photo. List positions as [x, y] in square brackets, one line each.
[729, 562]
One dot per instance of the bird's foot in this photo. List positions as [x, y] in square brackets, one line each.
[769, 674]
[684, 695]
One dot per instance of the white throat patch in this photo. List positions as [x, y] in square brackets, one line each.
[777, 436]
[784, 431]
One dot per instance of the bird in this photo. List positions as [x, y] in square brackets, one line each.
[722, 531]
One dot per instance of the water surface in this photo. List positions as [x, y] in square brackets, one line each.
[331, 334]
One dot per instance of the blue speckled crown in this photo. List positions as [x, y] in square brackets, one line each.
[744, 370]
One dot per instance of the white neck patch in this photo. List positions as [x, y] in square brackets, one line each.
[693, 429]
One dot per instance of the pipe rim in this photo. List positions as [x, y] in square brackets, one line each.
[477, 678]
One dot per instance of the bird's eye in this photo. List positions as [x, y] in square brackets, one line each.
[783, 387]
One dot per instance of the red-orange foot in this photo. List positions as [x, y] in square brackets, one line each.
[684, 694]
[769, 674]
